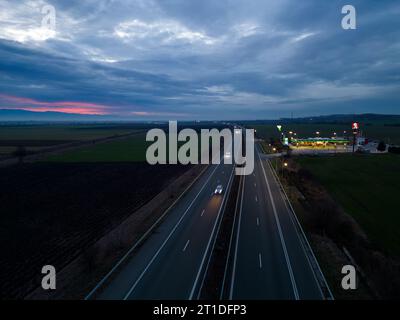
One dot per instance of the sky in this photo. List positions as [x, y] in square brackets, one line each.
[200, 60]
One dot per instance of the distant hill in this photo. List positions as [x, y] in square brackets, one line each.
[347, 118]
[365, 118]
[25, 115]
[52, 116]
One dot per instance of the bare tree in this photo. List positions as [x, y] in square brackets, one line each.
[20, 153]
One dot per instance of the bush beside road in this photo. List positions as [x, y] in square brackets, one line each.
[367, 187]
[349, 203]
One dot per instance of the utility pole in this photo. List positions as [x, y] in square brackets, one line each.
[355, 127]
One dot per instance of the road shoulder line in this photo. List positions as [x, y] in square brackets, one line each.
[308, 251]
[237, 241]
[168, 237]
[142, 238]
[213, 235]
[287, 258]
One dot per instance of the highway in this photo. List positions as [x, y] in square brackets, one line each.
[270, 258]
[169, 264]
[270, 261]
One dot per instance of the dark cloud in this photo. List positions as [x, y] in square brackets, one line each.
[205, 59]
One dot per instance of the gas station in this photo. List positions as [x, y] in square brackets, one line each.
[334, 143]
[319, 142]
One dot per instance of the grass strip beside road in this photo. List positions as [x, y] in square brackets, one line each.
[367, 187]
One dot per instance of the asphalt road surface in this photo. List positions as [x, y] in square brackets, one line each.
[269, 258]
[169, 264]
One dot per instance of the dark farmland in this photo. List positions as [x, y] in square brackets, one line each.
[51, 212]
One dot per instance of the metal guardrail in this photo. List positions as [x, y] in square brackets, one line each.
[327, 293]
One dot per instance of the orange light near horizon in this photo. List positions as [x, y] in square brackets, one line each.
[29, 104]
[66, 110]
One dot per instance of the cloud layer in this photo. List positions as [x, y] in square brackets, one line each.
[181, 59]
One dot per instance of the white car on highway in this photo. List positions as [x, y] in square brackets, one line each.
[218, 189]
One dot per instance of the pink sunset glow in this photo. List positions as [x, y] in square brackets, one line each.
[14, 102]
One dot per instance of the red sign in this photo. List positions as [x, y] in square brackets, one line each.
[355, 126]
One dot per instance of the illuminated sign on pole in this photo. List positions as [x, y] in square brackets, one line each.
[286, 141]
[355, 126]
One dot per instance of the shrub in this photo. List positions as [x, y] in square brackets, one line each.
[395, 150]
[381, 146]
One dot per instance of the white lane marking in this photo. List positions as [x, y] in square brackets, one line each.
[230, 243]
[255, 184]
[256, 199]
[237, 242]
[259, 260]
[184, 248]
[258, 221]
[202, 212]
[169, 236]
[303, 234]
[203, 260]
[292, 279]
[105, 278]
[254, 174]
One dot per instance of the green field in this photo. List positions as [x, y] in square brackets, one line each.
[121, 150]
[367, 187]
[62, 132]
[39, 137]
[374, 131]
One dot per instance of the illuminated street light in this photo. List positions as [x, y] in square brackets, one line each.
[290, 132]
[285, 164]
[273, 149]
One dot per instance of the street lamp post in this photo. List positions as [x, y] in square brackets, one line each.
[284, 165]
